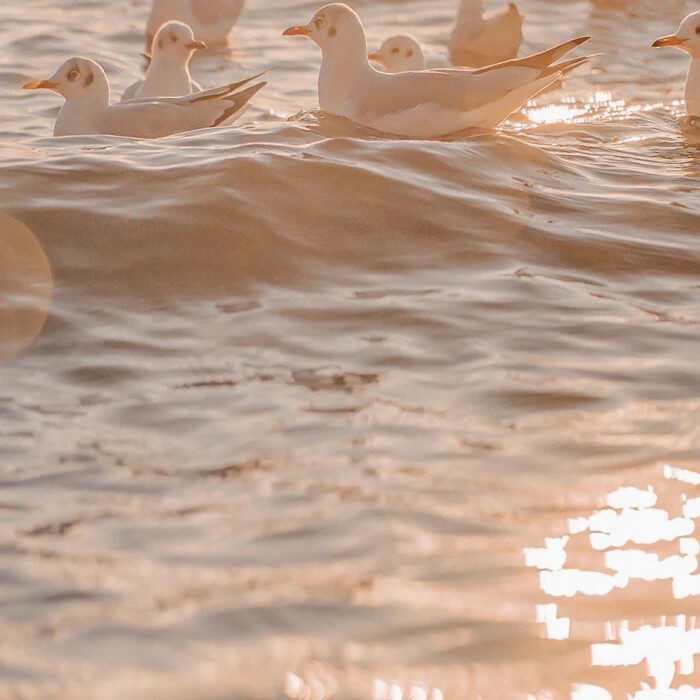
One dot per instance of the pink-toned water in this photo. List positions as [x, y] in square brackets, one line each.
[289, 410]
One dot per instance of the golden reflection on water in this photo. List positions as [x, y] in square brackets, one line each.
[627, 526]
[570, 108]
[26, 286]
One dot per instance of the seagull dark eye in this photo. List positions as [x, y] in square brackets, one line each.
[319, 22]
[73, 75]
[409, 53]
[697, 29]
[173, 39]
[395, 50]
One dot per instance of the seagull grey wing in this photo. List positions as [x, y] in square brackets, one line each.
[462, 90]
[218, 92]
[450, 89]
[147, 119]
[538, 61]
[230, 106]
[133, 91]
[155, 118]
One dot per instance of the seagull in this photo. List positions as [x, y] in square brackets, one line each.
[687, 39]
[399, 53]
[479, 40]
[211, 20]
[421, 104]
[168, 72]
[84, 85]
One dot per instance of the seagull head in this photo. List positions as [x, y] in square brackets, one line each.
[399, 53]
[175, 41]
[687, 38]
[334, 28]
[76, 79]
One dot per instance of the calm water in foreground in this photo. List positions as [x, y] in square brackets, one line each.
[316, 413]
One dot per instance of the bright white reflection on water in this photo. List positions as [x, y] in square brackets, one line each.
[570, 109]
[600, 105]
[661, 646]
[312, 688]
[590, 692]
[629, 524]
[393, 691]
[685, 475]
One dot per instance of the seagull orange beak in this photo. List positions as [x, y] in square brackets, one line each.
[671, 40]
[373, 56]
[40, 85]
[297, 31]
[194, 45]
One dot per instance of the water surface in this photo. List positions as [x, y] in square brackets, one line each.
[292, 410]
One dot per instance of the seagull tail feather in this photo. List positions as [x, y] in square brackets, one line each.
[566, 66]
[223, 91]
[539, 61]
[238, 101]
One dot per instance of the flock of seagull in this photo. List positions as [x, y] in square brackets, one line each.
[485, 84]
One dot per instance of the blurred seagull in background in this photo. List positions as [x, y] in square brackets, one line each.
[479, 40]
[211, 20]
[687, 39]
[168, 72]
[399, 53]
[421, 104]
[84, 85]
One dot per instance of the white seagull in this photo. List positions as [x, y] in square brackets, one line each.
[399, 53]
[211, 20]
[480, 40]
[687, 39]
[168, 72]
[421, 104]
[84, 85]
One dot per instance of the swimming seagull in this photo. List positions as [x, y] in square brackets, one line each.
[211, 20]
[84, 85]
[480, 40]
[687, 39]
[399, 53]
[421, 104]
[168, 72]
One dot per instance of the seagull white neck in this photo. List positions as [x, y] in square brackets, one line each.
[692, 88]
[167, 77]
[341, 70]
[160, 59]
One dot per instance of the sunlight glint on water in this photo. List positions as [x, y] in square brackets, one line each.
[668, 647]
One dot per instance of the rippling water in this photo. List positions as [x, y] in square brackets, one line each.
[292, 410]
